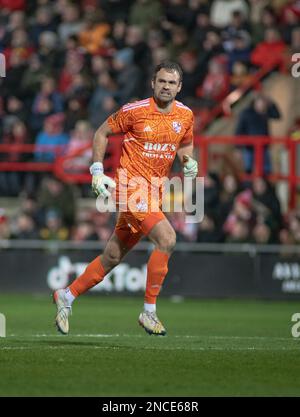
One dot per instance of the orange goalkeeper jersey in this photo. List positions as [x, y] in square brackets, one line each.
[151, 137]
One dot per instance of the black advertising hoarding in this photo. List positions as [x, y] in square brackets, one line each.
[191, 273]
[279, 276]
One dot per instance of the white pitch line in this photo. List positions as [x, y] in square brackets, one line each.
[102, 335]
[144, 347]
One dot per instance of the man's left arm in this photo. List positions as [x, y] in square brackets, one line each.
[185, 152]
[190, 165]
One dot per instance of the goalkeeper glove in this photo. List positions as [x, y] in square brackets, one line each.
[100, 182]
[190, 168]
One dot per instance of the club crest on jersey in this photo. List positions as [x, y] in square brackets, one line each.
[177, 127]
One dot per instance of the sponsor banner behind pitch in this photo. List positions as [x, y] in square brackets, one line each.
[190, 273]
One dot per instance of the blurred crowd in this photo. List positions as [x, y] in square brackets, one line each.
[233, 213]
[70, 64]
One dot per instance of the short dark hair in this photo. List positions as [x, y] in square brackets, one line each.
[168, 66]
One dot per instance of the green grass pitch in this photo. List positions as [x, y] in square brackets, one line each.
[213, 348]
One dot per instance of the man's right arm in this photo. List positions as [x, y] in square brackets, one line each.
[100, 182]
[100, 142]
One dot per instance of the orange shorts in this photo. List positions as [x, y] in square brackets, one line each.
[131, 227]
[137, 212]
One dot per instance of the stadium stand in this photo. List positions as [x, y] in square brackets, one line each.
[67, 68]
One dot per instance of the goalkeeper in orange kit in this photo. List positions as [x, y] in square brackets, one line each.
[156, 130]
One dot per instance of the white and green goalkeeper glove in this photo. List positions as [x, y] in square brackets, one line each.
[100, 182]
[190, 168]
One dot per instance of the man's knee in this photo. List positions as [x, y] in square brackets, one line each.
[111, 258]
[167, 242]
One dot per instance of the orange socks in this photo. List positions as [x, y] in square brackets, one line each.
[93, 274]
[157, 269]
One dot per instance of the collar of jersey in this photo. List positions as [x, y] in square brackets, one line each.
[153, 108]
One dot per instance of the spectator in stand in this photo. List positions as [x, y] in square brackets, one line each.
[48, 101]
[28, 206]
[272, 51]
[240, 75]
[230, 189]
[135, 40]
[240, 50]
[267, 203]
[146, 14]
[197, 7]
[50, 55]
[294, 131]
[84, 231]
[99, 64]
[254, 121]
[293, 223]
[256, 11]
[80, 138]
[74, 63]
[268, 19]
[19, 44]
[238, 28]
[15, 106]
[221, 11]
[44, 22]
[102, 224]
[15, 21]
[295, 41]
[11, 5]
[116, 9]
[76, 109]
[80, 88]
[212, 188]
[212, 47]
[187, 232]
[16, 134]
[103, 100]
[125, 70]
[118, 34]
[4, 225]
[25, 228]
[290, 19]
[215, 85]
[238, 233]
[241, 219]
[94, 31]
[209, 230]
[180, 42]
[70, 22]
[55, 195]
[32, 77]
[51, 137]
[262, 234]
[54, 228]
[177, 14]
[11, 84]
[203, 26]
[286, 237]
[191, 78]
[155, 39]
